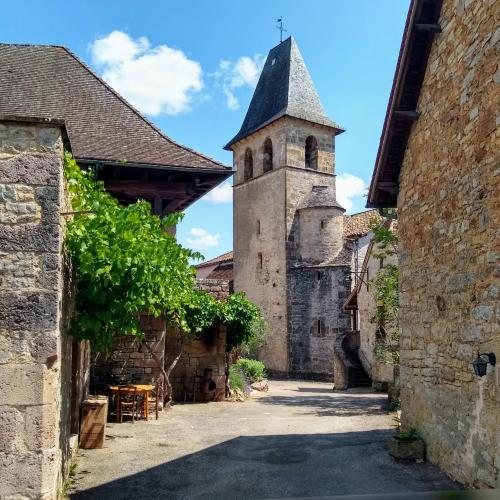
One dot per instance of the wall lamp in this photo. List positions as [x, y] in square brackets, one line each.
[480, 364]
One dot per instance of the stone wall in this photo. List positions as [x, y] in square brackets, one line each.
[379, 371]
[131, 362]
[288, 136]
[198, 356]
[260, 259]
[449, 208]
[316, 319]
[35, 358]
[269, 258]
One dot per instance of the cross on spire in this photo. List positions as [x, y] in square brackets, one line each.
[280, 27]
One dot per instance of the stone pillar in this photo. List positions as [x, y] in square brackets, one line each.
[31, 237]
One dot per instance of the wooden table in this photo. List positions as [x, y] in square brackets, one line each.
[144, 389]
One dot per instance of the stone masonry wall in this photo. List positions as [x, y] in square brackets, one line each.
[449, 208]
[266, 229]
[316, 319]
[378, 371]
[207, 353]
[131, 362]
[33, 437]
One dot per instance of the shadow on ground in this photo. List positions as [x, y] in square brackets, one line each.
[332, 405]
[278, 466]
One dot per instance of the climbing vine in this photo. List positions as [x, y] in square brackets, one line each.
[126, 265]
[386, 295]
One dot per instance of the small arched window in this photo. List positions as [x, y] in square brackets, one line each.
[268, 155]
[248, 170]
[311, 153]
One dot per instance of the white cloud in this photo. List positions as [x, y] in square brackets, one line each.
[348, 187]
[244, 72]
[201, 239]
[155, 80]
[220, 194]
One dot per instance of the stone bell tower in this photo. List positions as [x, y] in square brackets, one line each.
[288, 226]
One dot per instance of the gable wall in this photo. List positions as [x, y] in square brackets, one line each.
[449, 207]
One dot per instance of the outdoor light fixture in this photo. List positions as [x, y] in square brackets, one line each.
[480, 364]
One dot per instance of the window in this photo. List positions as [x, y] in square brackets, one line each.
[311, 153]
[258, 226]
[319, 327]
[259, 256]
[323, 224]
[248, 170]
[381, 263]
[268, 155]
[318, 275]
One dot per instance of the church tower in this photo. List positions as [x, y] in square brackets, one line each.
[289, 253]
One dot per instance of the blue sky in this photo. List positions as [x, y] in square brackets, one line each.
[191, 67]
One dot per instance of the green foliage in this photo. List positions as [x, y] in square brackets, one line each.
[125, 262]
[410, 435]
[394, 404]
[236, 379]
[202, 311]
[242, 319]
[386, 295]
[254, 370]
[260, 332]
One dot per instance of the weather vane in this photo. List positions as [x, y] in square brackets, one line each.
[280, 27]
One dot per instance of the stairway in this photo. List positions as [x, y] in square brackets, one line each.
[357, 374]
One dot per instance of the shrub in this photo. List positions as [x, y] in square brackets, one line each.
[236, 379]
[254, 370]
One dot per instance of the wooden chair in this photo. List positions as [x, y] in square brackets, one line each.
[153, 399]
[127, 397]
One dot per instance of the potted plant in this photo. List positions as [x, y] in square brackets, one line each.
[407, 445]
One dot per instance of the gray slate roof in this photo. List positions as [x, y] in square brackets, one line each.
[50, 82]
[321, 196]
[285, 88]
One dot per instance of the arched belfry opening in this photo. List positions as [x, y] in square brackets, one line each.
[268, 155]
[248, 169]
[311, 153]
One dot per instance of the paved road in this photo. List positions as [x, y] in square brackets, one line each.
[300, 439]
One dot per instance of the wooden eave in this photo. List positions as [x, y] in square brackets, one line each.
[421, 27]
[168, 188]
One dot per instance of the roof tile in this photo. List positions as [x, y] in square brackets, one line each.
[50, 82]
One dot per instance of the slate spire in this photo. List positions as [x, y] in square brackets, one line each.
[285, 88]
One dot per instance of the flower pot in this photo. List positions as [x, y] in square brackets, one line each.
[407, 450]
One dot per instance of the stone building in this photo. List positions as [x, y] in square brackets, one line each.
[292, 255]
[439, 163]
[50, 101]
[361, 304]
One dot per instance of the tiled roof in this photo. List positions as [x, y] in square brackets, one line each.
[49, 81]
[221, 273]
[225, 257]
[285, 88]
[359, 224]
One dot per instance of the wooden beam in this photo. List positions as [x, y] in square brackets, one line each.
[157, 206]
[430, 28]
[147, 188]
[172, 206]
[408, 115]
[389, 187]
